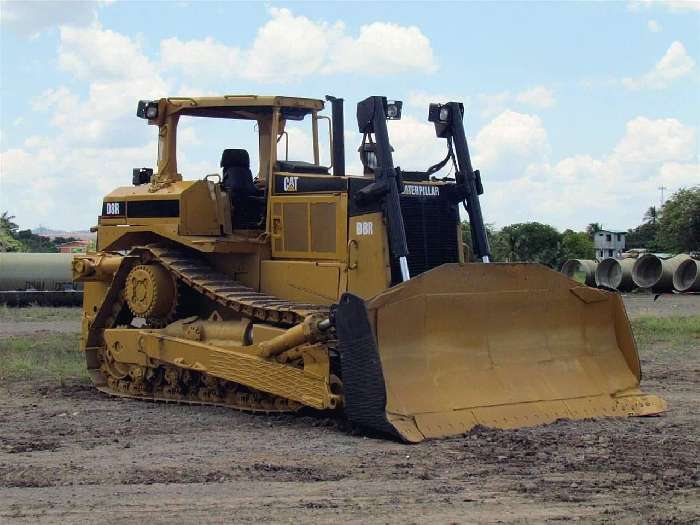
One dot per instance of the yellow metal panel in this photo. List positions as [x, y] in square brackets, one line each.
[295, 221]
[200, 209]
[309, 226]
[238, 366]
[302, 281]
[503, 345]
[369, 271]
[323, 234]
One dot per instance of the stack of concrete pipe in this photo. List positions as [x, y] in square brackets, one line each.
[686, 278]
[41, 278]
[655, 273]
[615, 274]
[649, 271]
[581, 270]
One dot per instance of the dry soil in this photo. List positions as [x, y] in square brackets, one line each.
[69, 454]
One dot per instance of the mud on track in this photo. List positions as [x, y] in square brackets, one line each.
[69, 454]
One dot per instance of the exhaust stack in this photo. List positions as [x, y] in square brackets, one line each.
[338, 133]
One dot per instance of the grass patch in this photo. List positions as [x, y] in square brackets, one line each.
[39, 313]
[42, 356]
[679, 332]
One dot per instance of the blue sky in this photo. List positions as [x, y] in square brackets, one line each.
[576, 112]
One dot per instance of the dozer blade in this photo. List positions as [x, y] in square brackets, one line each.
[498, 345]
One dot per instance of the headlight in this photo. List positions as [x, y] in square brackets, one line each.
[393, 109]
[147, 109]
[444, 114]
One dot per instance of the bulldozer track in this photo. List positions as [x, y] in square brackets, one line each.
[197, 274]
[217, 286]
[253, 408]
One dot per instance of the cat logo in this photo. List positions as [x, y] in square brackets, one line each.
[290, 183]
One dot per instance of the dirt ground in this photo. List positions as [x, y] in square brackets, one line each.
[662, 305]
[69, 454]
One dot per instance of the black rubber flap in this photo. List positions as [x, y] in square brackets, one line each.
[363, 380]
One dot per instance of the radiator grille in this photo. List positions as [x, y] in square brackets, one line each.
[431, 234]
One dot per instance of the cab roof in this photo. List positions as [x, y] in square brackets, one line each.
[241, 106]
[175, 103]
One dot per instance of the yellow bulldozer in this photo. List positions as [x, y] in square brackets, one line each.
[305, 286]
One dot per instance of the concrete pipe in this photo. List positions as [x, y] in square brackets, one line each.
[36, 271]
[656, 274]
[615, 274]
[580, 270]
[687, 276]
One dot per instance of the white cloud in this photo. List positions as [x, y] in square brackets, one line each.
[119, 74]
[613, 189]
[416, 147]
[289, 47]
[97, 53]
[47, 183]
[654, 26]
[675, 6]
[491, 104]
[507, 144]
[653, 141]
[31, 18]
[382, 49]
[199, 57]
[678, 6]
[538, 97]
[420, 100]
[675, 64]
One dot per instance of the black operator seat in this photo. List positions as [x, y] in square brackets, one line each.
[247, 200]
[238, 179]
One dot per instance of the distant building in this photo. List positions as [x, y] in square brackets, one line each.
[79, 246]
[608, 244]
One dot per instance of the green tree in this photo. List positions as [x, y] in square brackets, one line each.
[644, 235]
[35, 243]
[576, 245]
[12, 239]
[679, 225]
[651, 215]
[491, 233]
[592, 228]
[8, 231]
[532, 242]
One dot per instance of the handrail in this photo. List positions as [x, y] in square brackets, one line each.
[193, 101]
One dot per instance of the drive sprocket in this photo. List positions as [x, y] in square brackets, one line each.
[150, 292]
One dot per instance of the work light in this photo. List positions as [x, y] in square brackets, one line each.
[147, 109]
[393, 109]
[438, 113]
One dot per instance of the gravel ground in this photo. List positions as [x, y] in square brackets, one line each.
[663, 305]
[69, 454]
